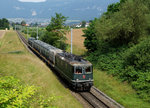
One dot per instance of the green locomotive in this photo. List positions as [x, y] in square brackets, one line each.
[77, 71]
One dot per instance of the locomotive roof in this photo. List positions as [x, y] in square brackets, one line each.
[73, 59]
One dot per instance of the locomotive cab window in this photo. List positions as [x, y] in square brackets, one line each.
[88, 69]
[78, 70]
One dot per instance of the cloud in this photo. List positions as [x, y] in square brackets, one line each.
[35, 1]
[17, 8]
[99, 9]
[89, 8]
[34, 13]
[50, 9]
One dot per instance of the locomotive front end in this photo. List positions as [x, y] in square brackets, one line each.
[83, 77]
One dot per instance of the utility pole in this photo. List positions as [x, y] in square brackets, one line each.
[27, 32]
[37, 33]
[71, 40]
[15, 27]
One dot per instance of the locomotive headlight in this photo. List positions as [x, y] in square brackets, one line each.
[77, 79]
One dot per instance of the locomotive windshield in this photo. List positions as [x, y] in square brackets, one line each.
[88, 69]
[78, 70]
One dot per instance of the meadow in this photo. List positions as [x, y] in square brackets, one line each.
[16, 61]
[77, 42]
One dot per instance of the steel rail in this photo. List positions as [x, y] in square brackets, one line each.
[95, 97]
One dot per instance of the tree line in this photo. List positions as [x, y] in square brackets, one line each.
[4, 23]
[118, 42]
[54, 34]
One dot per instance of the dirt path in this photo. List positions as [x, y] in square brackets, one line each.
[2, 32]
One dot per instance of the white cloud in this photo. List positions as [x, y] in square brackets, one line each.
[34, 13]
[35, 1]
[50, 9]
[17, 8]
[89, 8]
[99, 9]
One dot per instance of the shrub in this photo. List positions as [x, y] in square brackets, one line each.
[14, 94]
[130, 64]
[137, 67]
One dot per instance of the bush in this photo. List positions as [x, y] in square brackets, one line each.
[137, 68]
[139, 56]
[14, 94]
[130, 64]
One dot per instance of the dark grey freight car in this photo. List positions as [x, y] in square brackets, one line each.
[77, 71]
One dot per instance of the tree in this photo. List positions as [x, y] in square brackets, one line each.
[83, 23]
[23, 23]
[4, 23]
[90, 41]
[122, 27]
[56, 31]
[34, 34]
[112, 8]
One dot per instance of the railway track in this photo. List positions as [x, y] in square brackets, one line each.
[97, 99]
[94, 98]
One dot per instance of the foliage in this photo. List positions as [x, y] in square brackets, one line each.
[123, 28]
[83, 23]
[14, 94]
[137, 68]
[23, 23]
[90, 37]
[32, 31]
[4, 23]
[13, 25]
[130, 64]
[33, 34]
[56, 31]
[123, 44]
[114, 7]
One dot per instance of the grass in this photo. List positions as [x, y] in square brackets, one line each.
[119, 91]
[16, 61]
[77, 50]
[78, 42]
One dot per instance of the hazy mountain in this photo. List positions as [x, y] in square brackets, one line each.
[74, 9]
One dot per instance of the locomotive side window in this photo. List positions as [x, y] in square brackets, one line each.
[88, 69]
[78, 70]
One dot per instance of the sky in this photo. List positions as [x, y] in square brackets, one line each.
[73, 9]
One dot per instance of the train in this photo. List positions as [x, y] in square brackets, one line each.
[77, 71]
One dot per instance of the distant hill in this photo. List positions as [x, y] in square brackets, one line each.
[74, 9]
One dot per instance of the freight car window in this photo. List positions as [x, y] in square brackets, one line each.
[78, 70]
[88, 69]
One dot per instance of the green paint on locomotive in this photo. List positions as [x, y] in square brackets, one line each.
[69, 71]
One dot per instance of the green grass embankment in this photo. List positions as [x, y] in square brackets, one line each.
[122, 92]
[16, 61]
[76, 50]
